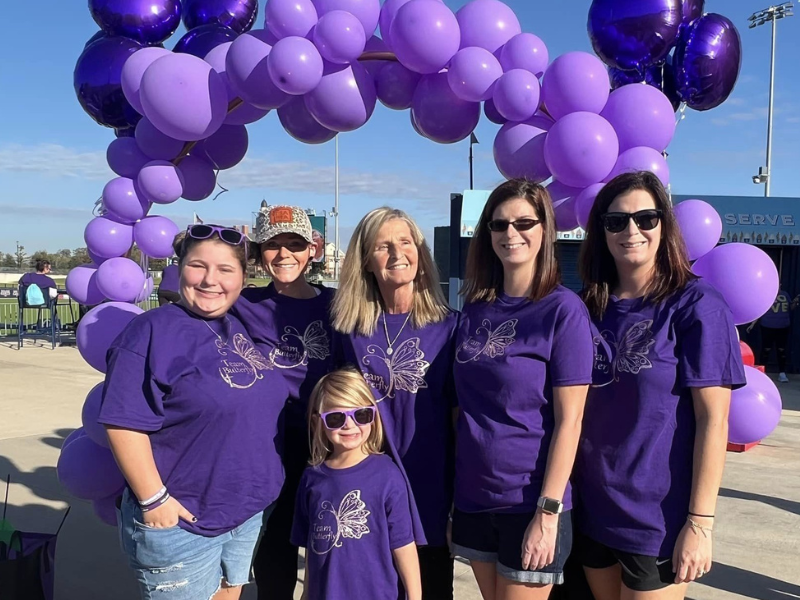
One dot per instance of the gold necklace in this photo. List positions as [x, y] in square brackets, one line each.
[390, 342]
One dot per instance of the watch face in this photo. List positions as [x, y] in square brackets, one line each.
[550, 505]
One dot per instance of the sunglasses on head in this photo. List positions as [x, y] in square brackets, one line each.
[336, 419]
[226, 234]
[645, 220]
[501, 225]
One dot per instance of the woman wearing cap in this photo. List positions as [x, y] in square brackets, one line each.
[392, 322]
[187, 395]
[289, 322]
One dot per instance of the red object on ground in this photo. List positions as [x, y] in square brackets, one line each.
[748, 357]
[741, 447]
[745, 447]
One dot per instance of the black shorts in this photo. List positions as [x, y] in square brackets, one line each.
[640, 573]
[167, 297]
[497, 538]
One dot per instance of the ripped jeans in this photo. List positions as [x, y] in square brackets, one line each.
[174, 564]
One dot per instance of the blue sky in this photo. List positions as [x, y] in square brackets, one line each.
[52, 155]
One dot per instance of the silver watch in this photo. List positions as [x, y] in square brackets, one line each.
[550, 506]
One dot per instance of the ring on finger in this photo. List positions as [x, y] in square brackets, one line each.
[700, 573]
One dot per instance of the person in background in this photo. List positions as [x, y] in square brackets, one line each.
[42, 279]
[168, 289]
[775, 326]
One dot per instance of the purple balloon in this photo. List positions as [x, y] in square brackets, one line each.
[375, 44]
[425, 36]
[226, 148]
[248, 74]
[105, 509]
[244, 114]
[286, 18]
[154, 236]
[340, 37]
[108, 238]
[642, 116]
[98, 81]
[199, 42]
[525, 51]
[125, 132]
[199, 177]
[519, 150]
[99, 328]
[581, 149]
[366, 11]
[755, 409]
[97, 260]
[82, 287]
[560, 192]
[184, 97]
[565, 214]
[149, 284]
[516, 95]
[584, 202]
[441, 115]
[396, 85]
[744, 275]
[160, 182]
[700, 225]
[295, 65]
[133, 71]
[575, 82]
[487, 24]
[301, 125]
[707, 61]
[239, 15]
[123, 201]
[345, 98]
[146, 21]
[388, 13]
[88, 471]
[154, 144]
[641, 158]
[125, 158]
[491, 112]
[120, 279]
[473, 73]
[692, 9]
[634, 34]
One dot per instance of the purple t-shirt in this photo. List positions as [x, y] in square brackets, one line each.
[170, 279]
[633, 474]
[40, 279]
[210, 405]
[414, 389]
[349, 521]
[778, 316]
[510, 355]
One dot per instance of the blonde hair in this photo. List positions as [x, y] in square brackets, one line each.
[357, 304]
[343, 388]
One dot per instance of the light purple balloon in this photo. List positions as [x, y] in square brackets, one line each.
[519, 150]
[366, 11]
[184, 97]
[491, 112]
[285, 18]
[105, 509]
[641, 158]
[516, 95]
[641, 115]
[99, 328]
[755, 409]
[108, 238]
[388, 13]
[245, 114]
[560, 192]
[487, 24]
[120, 279]
[375, 44]
[248, 74]
[88, 471]
[584, 203]
[575, 82]
[581, 149]
[133, 71]
[473, 73]
[89, 415]
[441, 115]
[124, 201]
[396, 85]
[339, 37]
[744, 275]
[226, 148]
[154, 236]
[160, 182]
[156, 145]
[345, 98]
[125, 158]
[97, 260]
[295, 65]
[525, 51]
[199, 177]
[565, 214]
[147, 289]
[82, 287]
[299, 123]
[700, 225]
[425, 36]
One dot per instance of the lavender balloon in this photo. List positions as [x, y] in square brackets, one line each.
[286, 18]
[82, 287]
[340, 37]
[295, 66]
[125, 158]
[425, 36]
[491, 112]
[473, 73]
[100, 327]
[160, 182]
[144, 294]
[199, 177]
[366, 11]
[133, 71]
[301, 125]
[755, 409]
[519, 150]
[88, 471]
[584, 202]
[239, 15]
[375, 44]
[154, 144]
[146, 21]
[345, 98]
[123, 201]
[441, 115]
[575, 82]
[248, 72]
[487, 24]
[560, 192]
[581, 149]
[154, 236]
[226, 148]
[565, 214]
[642, 116]
[120, 279]
[700, 225]
[641, 158]
[96, 260]
[396, 85]
[107, 238]
[516, 95]
[525, 51]
[243, 113]
[202, 40]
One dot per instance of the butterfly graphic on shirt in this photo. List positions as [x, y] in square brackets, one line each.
[297, 348]
[350, 523]
[405, 368]
[248, 369]
[628, 355]
[488, 342]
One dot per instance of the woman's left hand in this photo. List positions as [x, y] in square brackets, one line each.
[539, 543]
[691, 558]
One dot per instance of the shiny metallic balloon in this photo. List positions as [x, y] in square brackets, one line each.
[692, 9]
[239, 15]
[202, 40]
[146, 21]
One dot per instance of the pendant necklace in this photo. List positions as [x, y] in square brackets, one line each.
[391, 342]
[220, 343]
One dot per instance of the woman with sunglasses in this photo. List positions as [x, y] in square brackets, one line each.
[655, 431]
[288, 320]
[393, 323]
[522, 368]
[187, 396]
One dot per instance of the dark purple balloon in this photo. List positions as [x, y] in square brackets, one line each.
[707, 61]
[239, 15]
[97, 80]
[670, 86]
[125, 132]
[491, 112]
[301, 125]
[692, 9]
[202, 40]
[146, 21]
[660, 76]
[94, 38]
[634, 34]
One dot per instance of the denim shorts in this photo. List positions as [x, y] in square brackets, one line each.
[174, 564]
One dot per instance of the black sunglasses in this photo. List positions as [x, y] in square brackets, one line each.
[501, 225]
[336, 419]
[646, 220]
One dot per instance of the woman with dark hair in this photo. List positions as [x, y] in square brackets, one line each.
[653, 445]
[522, 369]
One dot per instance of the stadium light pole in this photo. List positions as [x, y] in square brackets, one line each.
[336, 210]
[472, 141]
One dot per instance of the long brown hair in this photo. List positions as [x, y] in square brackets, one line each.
[598, 269]
[484, 277]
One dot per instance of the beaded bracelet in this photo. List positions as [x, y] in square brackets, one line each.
[155, 504]
[154, 498]
[695, 525]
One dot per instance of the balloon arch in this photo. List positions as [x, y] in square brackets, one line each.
[180, 118]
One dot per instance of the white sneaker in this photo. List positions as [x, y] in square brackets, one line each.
[783, 378]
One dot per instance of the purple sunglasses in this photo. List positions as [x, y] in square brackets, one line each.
[336, 419]
[226, 234]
